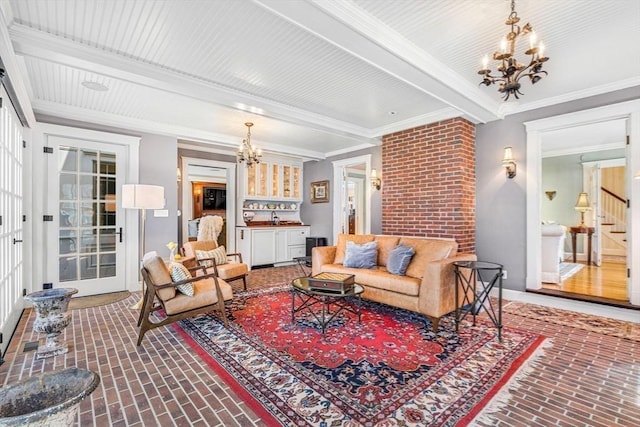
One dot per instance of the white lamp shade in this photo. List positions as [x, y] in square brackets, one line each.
[141, 196]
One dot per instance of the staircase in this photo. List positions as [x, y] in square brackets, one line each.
[613, 211]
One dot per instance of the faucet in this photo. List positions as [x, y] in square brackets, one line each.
[274, 218]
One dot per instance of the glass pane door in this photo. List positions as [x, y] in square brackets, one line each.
[89, 249]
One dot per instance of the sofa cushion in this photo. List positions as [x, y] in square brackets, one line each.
[385, 245]
[361, 256]
[341, 245]
[399, 259]
[427, 250]
[159, 275]
[378, 278]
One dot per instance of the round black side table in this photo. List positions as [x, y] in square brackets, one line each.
[476, 279]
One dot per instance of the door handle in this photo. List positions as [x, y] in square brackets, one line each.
[17, 241]
[120, 233]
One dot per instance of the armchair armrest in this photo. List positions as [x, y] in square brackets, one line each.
[237, 255]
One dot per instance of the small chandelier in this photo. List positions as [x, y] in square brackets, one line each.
[248, 152]
[510, 69]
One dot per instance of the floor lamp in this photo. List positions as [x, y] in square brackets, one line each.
[142, 197]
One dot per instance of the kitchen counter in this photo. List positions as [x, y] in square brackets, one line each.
[256, 224]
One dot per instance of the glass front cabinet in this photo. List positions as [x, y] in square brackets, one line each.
[272, 179]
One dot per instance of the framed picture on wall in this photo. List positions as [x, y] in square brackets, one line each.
[320, 191]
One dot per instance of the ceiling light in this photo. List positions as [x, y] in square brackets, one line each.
[248, 152]
[510, 69]
[94, 86]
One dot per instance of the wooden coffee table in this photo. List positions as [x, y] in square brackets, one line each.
[331, 303]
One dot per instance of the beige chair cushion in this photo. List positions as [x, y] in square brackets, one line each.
[231, 270]
[227, 290]
[159, 275]
[204, 294]
[341, 245]
[427, 250]
[190, 248]
[385, 245]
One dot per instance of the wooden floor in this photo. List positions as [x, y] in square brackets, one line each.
[607, 281]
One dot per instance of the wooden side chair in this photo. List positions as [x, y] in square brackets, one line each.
[228, 267]
[161, 293]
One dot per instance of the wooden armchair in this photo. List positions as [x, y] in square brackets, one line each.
[235, 269]
[210, 293]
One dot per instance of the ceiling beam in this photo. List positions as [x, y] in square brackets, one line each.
[44, 46]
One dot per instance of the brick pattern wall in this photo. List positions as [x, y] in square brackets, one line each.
[429, 182]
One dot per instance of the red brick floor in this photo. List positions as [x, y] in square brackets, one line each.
[584, 379]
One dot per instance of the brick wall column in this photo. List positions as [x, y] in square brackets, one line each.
[429, 182]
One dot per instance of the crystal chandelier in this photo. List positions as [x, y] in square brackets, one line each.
[510, 69]
[248, 152]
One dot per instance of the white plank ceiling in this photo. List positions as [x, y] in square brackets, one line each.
[316, 77]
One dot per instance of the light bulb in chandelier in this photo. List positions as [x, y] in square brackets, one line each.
[510, 70]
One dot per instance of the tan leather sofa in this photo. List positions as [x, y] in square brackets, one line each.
[428, 286]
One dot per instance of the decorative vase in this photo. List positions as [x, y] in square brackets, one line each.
[49, 399]
[51, 318]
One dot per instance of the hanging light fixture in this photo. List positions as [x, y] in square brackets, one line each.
[508, 66]
[248, 152]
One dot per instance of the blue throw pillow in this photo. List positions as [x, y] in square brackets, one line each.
[361, 256]
[399, 259]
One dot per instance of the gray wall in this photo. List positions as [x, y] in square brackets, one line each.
[500, 202]
[320, 215]
[158, 167]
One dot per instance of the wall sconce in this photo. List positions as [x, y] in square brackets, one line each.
[197, 193]
[509, 163]
[550, 194]
[376, 182]
[583, 205]
[637, 175]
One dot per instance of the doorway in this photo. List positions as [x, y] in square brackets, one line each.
[202, 181]
[352, 209]
[12, 279]
[536, 133]
[87, 237]
[598, 179]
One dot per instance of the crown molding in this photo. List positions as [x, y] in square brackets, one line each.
[147, 126]
[425, 119]
[576, 95]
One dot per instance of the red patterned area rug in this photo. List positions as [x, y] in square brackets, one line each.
[389, 369]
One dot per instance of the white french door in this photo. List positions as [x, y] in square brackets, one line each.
[11, 202]
[85, 248]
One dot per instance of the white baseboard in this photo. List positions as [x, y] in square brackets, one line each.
[571, 305]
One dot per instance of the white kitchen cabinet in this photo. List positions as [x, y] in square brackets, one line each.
[271, 245]
[263, 247]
